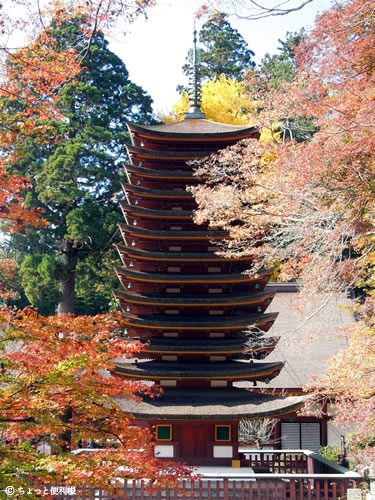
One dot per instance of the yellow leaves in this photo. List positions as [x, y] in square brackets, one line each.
[223, 100]
[270, 134]
[370, 259]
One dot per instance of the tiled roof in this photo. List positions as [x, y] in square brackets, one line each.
[309, 340]
[196, 127]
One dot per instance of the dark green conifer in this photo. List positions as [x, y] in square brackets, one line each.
[224, 51]
[76, 180]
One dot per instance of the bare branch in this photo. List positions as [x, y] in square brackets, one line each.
[252, 10]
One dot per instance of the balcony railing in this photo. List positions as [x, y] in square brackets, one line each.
[293, 475]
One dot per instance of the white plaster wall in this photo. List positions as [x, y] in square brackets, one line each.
[163, 450]
[223, 451]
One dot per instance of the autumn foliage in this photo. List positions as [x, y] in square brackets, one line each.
[309, 200]
[223, 100]
[54, 393]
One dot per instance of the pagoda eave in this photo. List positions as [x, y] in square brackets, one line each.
[215, 404]
[227, 346]
[161, 174]
[154, 193]
[167, 155]
[140, 254]
[190, 278]
[155, 214]
[219, 299]
[172, 235]
[193, 130]
[229, 370]
[176, 322]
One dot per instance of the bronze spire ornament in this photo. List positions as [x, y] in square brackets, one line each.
[195, 87]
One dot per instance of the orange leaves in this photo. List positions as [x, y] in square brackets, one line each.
[58, 382]
[313, 199]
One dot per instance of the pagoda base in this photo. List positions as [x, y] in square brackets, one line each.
[200, 426]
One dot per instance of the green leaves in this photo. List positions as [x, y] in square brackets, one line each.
[225, 51]
[75, 176]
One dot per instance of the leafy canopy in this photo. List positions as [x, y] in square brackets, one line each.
[53, 394]
[76, 179]
[223, 100]
[224, 50]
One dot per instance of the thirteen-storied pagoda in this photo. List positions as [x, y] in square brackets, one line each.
[188, 305]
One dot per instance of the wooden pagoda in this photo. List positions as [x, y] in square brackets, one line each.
[189, 306]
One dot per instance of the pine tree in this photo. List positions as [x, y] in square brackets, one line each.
[282, 66]
[224, 51]
[76, 180]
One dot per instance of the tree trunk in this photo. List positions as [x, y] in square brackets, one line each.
[69, 253]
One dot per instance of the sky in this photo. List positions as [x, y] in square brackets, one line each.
[155, 49]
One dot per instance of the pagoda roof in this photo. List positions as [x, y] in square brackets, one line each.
[224, 277]
[169, 234]
[215, 322]
[163, 174]
[156, 193]
[225, 345]
[167, 154]
[217, 404]
[194, 129]
[175, 256]
[156, 214]
[228, 370]
[194, 300]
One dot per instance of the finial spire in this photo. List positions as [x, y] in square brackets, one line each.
[195, 88]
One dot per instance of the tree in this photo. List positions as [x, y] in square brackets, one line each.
[257, 431]
[64, 400]
[225, 51]
[76, 180]
[223, 100]
[310, 204]
[282, 66]
[31, 76]
[348, 387]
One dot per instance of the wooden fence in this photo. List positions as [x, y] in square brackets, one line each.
[291, 475]
[227, 489]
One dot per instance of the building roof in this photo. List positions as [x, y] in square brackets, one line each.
[221, 404]
[141, 254]
[169, 277]
[161, 174]
[221, 322]
[194, 128]
[195, 300]
[168, 234]
[166, 154]
[231, 345]
[156, 193]
[225, 370]
[150, 213]
[306, 345]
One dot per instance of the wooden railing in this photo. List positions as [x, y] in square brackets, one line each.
[320, 480]
[302, 487]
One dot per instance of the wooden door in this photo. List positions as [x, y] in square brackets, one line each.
[193, 441]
